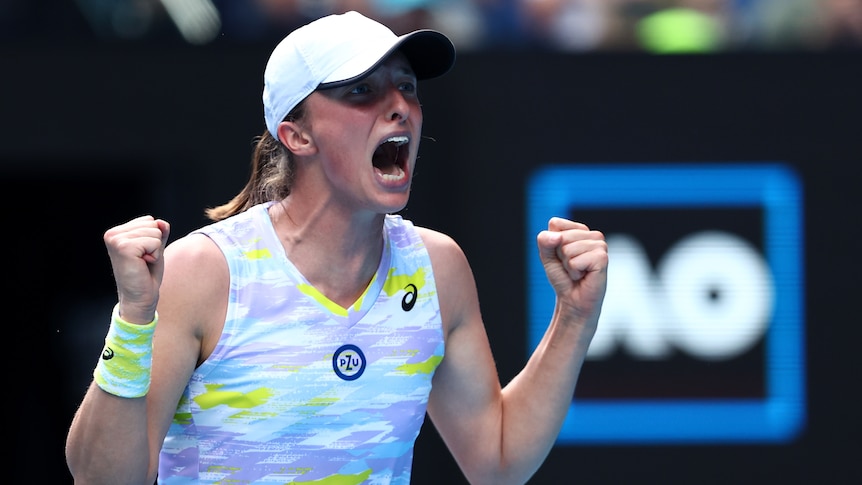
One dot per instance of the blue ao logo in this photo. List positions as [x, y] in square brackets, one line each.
[704, 297]
[348, 362]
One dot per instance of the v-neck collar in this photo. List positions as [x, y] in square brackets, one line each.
[349, 315]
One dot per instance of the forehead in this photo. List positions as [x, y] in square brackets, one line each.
[397, 62]
[397, 57]
[392, 66]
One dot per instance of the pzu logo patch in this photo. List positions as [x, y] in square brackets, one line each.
[701, 337]
[348, 362]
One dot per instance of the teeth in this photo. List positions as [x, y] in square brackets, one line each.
[398, 175]
[398, 140]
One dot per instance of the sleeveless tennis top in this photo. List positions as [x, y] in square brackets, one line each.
[299, 389]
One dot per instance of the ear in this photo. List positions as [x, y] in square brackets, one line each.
[297, 140]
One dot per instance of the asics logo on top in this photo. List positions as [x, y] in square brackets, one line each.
[409, 299]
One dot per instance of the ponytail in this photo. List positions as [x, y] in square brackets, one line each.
[272, 172]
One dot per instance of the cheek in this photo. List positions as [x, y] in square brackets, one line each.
[340, 139]
[344, 152]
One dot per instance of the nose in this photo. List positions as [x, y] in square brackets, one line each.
[399, 106]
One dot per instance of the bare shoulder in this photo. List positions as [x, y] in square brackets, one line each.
[194, 294]
[444, 251]
[438, 243]
[195, 255]
[196, 276]
[456, 287]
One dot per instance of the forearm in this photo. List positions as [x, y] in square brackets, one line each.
[107, 442]
[536, 401]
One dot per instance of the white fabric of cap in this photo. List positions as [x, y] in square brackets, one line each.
[333, 48]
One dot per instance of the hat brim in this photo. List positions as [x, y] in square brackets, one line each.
[430, 53]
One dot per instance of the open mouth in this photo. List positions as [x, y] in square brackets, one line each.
[390, 158]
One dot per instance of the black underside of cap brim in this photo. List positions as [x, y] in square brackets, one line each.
[430, 53]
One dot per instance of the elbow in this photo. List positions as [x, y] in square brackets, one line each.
[88, 471]
[75, 460]
[499, 477]
[498, 473]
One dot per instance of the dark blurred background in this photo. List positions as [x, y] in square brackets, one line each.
[112, 109]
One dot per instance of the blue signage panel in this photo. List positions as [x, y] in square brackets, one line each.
[766, 324]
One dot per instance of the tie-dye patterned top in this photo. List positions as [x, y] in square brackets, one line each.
[299, 389]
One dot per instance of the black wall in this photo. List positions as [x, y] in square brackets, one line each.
[90, 138]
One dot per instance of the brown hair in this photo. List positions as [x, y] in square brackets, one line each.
[272, 171]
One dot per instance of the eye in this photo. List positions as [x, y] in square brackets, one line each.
[360, 89]
[407, 86]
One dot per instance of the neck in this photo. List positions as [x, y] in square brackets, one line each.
[337, 255]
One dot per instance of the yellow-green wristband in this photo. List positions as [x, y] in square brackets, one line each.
[124, 367]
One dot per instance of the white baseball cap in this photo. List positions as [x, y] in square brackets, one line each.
[339, 49]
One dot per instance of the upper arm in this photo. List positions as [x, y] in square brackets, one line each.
[192, 305]
[465, 403]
